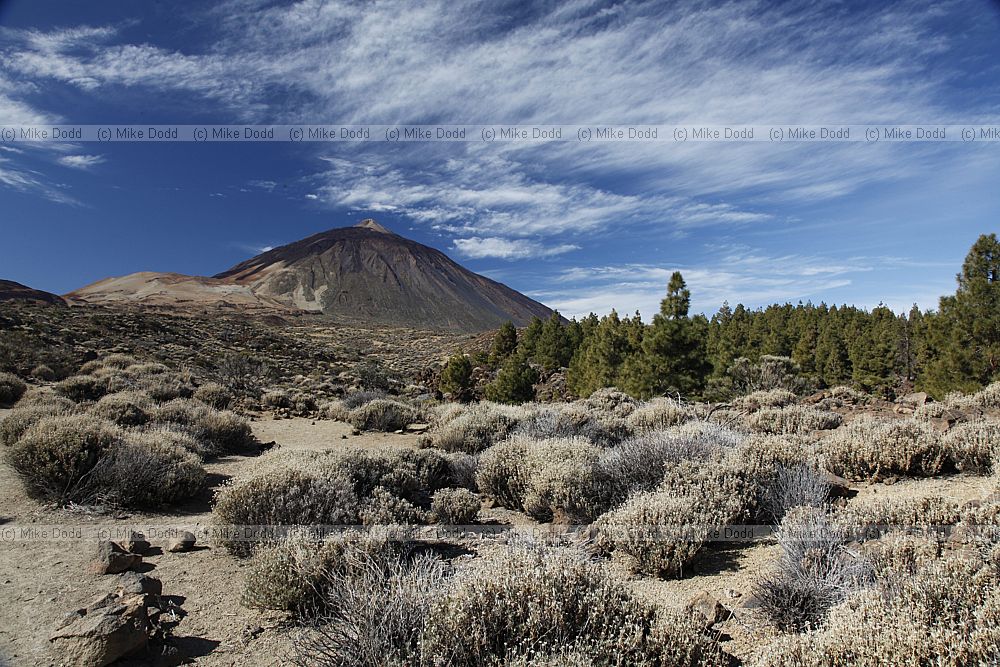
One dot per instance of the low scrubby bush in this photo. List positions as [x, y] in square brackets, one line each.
[524, 601]
[477, 427]
[612, 402]
[774, 398]
[83, 459]
[358, 398]
[43, 373]
[129, 408]
[214, 395]
[973, 446]
[456, 507]
[947, 612]
[792, 419]
[869, 447]
[382, 414]
[221, 431]
[569, 421]
[276, 399]
[463, 470]
[813, 573]
[658, 414]
[557, 478]
[17, 423]
[11, 389]
[81, 388]
[803, 485]
[384, 508]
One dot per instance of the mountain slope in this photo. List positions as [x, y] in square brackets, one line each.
[12, 291]
[366, 273]
[363, 274]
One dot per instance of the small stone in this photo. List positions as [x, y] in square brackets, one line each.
[136, 583]
[112, 559]
[136, 543]
[183, 542]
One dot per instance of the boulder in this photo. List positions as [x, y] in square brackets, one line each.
[839, 487]
[136, 543]
[112, 559]
[184, 541]
[135, 583]
[103, 635]
[707, 607]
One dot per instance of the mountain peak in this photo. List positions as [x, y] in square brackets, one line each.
[369, 223]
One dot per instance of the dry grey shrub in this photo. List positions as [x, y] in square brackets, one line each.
[876, 516]
[214, 395]
[814, 571]
[83, 459]
[382, 414]
[947, 612]
[610, 401]
[456, 507]
[569, 421]
[44, 396]
[11, 389]
[20, 419]
[334, 411]
[384, 508]
[276, 398]
[973, 446]
[523, 601]
[142, 471]
[870, 448]
[374, 613]
[127, 408]
[43, 373]
[82, 388]
[773, 398]
[792, 420]
[293, 574]
[557, 478]
[358, 398]
[803, 485]
[221, 432]
[477, 427]
[658, 414]
[463, 470]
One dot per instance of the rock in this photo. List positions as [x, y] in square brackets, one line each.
[112, 559]
[183, 542]
[135, 583]
[136, 543]
[417, 428]
[913, 400]
[708, 607]
[103, 635]
[839, 487]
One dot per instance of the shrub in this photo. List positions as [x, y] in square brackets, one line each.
[83, 387]
[549, 479]
[358, 398]
[946, 613]
[293, 574]
[276, 399]
[38, 397]
[125, 408]
[334, 411]
[813, 573]
[658, 414]
[214, 395]
[382, 414]
[773, 398]
[792, 419]
[802, 485]
[143, 471]
[611, 401]
[227, 431]
[284, 496]
[176, 435]
[771, 372]
[889, 514]
[457, 507]
[43, 373]
[383, 508]
[56, 455]
[973, 445]
[166, 387]
[869, 447]
[477, 427]
[17, 423]
[568, 421]
[463, 470]
[374, 613]
[523, 601]
[117, 360]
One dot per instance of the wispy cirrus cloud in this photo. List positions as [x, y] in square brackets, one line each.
[83, 162]
[478, 247]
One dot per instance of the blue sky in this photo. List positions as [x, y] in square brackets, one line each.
[580, 227]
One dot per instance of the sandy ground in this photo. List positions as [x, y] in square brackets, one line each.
[40, 581]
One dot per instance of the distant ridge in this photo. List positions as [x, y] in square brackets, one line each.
[12, 291]
[360, 274]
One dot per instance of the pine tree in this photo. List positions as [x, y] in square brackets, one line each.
[873, 352]
[514, 382]
[674, 358]
[599, 359]
[456, 378]
[965, 334]
[504, 343]
[553, 348]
